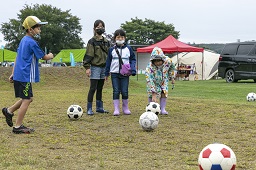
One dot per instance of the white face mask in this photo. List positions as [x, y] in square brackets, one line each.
[118, 42]
[37, 36]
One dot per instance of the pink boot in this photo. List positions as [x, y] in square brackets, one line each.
[126, 110]
[116, 106]
[162, 105]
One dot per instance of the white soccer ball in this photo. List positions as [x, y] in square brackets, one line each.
[251, 97]
[217, 156]
[153, 107]
[148, 121]
[75, 112]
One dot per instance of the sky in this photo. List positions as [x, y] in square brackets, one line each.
[198, 21]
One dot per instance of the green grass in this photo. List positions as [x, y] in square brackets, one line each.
[200, 113]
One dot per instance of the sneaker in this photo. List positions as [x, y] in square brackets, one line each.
[22, 129]
[8, 116]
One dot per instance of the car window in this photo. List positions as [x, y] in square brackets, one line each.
[229, 49]
[244, 49]
[253, 51]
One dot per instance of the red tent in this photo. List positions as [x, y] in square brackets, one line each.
[170, 45]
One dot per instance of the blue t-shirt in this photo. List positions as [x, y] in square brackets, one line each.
[26, 64]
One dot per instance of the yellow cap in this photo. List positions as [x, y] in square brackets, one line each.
[31, 21]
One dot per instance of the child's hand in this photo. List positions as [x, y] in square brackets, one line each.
[51, 55]
[11, 78]
[88, 72]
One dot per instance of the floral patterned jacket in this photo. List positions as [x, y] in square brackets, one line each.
[158, 77]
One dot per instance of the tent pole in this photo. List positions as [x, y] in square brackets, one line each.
[202, 65]
[178, 67]
[137, 66]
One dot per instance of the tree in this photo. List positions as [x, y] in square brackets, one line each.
[61, 32]
[147, 32]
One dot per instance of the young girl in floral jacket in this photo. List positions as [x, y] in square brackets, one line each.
[157, 74]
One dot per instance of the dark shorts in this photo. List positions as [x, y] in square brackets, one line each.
[23, 90]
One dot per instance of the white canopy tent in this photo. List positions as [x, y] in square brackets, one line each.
[208, 65]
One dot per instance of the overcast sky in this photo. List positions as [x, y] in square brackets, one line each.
[198, 21]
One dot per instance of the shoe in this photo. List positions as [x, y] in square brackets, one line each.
[116, 106]
[89, 109]
[126, 110]
[8, 116]
[99, 107]
[22, 129]
[162, 106]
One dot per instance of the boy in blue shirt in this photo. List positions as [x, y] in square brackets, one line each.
[25, 71]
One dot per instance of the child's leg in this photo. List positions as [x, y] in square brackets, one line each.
[8, 112]
[116, 92]
[93, 86]
[116, 107]
[99, 102]
[15, 107]
[124, 91]
[163, 104]
[99, 88]
[22, 111]
[149, 99]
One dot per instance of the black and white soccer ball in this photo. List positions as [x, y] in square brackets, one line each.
[153, 107]
[251, 97]
[74, 112]
[148, 121]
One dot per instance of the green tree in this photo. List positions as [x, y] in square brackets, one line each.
[147, 31]
[61, 32]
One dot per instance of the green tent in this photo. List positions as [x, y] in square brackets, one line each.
[7, 55]
[64, 55]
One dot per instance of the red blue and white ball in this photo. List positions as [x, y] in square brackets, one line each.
[217, 157]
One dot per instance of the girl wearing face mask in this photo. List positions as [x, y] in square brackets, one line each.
[94, 62]
[120, 82]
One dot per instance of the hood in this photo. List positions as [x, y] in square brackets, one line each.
[157, 53]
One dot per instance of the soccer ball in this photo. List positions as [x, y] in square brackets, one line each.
[251, 97]
[217, 156]
[74, 112]
[148, 121]
[153, 107]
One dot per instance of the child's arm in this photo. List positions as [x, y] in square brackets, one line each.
[149, 74]
[108, 62]
[11, 76]
[132, 61]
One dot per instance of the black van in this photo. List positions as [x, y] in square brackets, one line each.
[237, 61]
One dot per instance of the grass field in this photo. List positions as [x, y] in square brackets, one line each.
[200, 113]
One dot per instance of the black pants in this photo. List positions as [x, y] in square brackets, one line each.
[95, 85]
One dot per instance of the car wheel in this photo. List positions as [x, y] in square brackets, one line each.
[230, 76]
